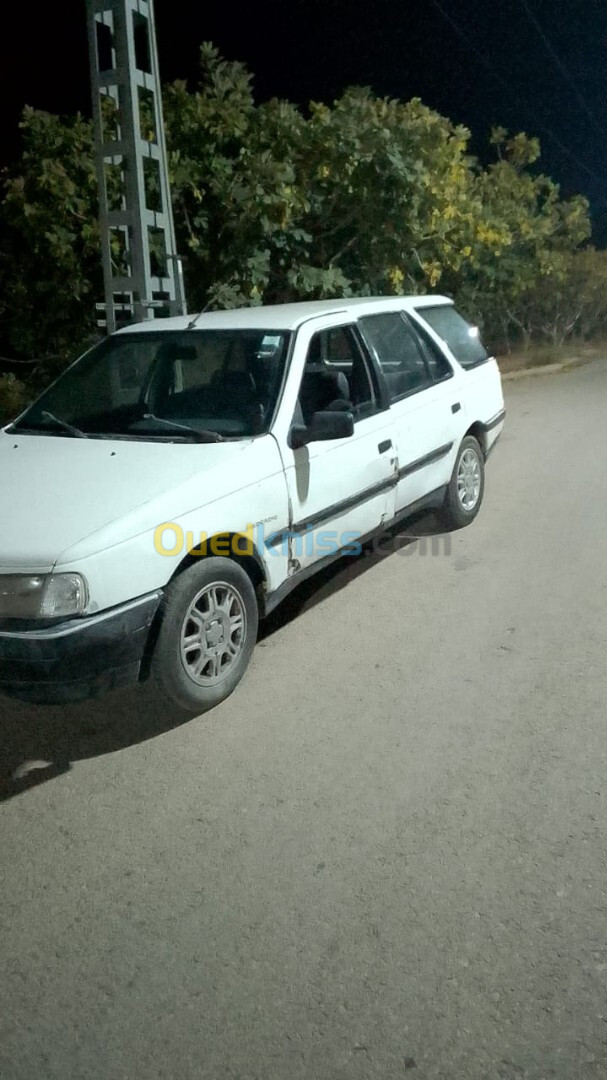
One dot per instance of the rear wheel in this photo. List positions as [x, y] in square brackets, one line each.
[207, 634]
[466, 487]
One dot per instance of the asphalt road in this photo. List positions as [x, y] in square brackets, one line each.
[384, 856]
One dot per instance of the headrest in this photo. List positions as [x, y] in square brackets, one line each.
[236, 382]
[173, 351]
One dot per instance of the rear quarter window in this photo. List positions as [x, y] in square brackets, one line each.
[462, 338]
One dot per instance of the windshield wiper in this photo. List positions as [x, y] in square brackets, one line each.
[63, 424]
[194, 433]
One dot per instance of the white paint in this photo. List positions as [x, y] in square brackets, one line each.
[92, 506]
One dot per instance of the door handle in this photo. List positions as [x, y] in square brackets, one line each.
[456, 408]
[385, 445]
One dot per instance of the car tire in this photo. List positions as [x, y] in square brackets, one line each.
[208, 630]
[467, 486]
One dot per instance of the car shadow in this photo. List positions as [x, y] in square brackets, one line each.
[337, 575]
[39, 743]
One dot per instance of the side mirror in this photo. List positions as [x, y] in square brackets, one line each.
[323, 426]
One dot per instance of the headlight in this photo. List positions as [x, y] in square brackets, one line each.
[42, 596]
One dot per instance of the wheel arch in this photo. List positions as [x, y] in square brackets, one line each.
[248, 559]
[479, 432]
[241, 550]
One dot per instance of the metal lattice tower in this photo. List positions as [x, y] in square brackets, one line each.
[141, 269]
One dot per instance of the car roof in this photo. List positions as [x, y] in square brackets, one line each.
[287, 316]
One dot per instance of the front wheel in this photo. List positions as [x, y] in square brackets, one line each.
[207, 634]
[466, 487]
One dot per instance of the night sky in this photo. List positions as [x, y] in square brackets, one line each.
[533, 65]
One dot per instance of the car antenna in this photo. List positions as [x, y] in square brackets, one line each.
[193, 321]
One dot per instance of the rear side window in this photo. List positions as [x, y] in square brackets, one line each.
[398, 352]
[438, 365]
[462, 338]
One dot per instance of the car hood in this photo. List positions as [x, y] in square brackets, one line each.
[56, 492]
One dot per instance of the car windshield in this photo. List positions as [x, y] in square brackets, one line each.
[174, 385]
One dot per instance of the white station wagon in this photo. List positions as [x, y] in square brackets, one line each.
[179, 479]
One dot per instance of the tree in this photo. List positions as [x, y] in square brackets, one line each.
[572, 299]
[524, 238]
[272, 203]
[369, 195]
[50, 273]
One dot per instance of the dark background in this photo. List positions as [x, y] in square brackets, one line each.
[480, 63]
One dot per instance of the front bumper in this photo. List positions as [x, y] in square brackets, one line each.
[78, 658]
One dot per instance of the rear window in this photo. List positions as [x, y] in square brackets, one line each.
[462, 338]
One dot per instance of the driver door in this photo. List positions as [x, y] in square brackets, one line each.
[342, 489]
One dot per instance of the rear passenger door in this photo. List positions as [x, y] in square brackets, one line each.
[422, 389]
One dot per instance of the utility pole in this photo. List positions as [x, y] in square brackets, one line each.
[141, 269]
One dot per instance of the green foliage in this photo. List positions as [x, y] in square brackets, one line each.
[571, 299]
[50, 274]
[366, 196]
[13, 397]
[524, 240]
